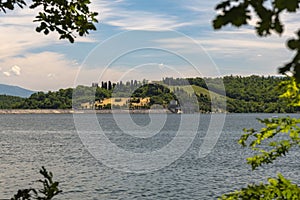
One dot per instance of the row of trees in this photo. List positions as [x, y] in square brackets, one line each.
[108, 85]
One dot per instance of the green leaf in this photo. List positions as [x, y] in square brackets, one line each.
[46, 31]
[67, 18]
[279, 188]
[278, 26]
[71, 39]
[293, 44]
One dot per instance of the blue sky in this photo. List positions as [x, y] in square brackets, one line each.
[135, 40]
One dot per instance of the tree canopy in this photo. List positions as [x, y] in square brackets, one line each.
[67, 18]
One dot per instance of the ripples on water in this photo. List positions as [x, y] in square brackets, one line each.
[28, 142]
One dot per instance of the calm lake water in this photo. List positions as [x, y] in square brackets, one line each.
[28, 142]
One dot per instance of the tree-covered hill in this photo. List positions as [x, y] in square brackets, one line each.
[9, 102]
[242, 94]
[252, 93]
[251, 88]
[61, 99]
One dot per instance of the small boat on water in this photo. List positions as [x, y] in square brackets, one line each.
[179, 111]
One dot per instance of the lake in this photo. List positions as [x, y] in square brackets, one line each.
[29, 141]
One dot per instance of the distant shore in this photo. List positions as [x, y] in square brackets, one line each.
[71, 111]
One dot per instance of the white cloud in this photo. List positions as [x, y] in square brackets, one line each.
[234, 43]
[239, 44]
[18, 32]
[16, 70]
[51, 71]
[18, 38]
[6, 74]
[18, 35]
[291, 22]
[36, 68]
[146, 21]
[238, 51]
[112, 13]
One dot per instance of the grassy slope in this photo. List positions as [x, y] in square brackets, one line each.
[190, 89]
[198, 90]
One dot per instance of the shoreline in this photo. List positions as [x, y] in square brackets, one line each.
[71, 111]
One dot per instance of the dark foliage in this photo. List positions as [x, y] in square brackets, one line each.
[49, 190]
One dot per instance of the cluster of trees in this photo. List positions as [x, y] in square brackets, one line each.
[170, 81]
[61, 99]
[254, 94]
[158, 94]
[108, 85]
[250, 88]
[126, 89]
[9, 102]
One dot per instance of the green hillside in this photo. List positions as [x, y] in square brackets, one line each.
[9, 102]
[243, 94]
